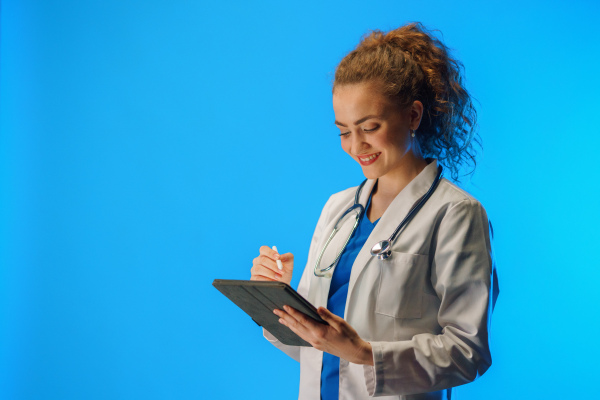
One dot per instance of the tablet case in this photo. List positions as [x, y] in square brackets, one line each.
[258, 299]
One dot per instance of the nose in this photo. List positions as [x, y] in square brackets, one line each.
[359, 145]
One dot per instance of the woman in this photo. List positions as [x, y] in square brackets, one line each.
[416, 324]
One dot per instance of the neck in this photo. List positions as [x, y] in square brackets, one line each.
[392, 183]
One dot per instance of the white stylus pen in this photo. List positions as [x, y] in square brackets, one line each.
[279, 264]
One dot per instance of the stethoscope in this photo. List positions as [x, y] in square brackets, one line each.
[383, 249]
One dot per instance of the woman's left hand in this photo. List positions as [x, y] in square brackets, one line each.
[337, 338]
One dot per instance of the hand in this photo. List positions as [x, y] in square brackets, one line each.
[337, 338]
[264, 267]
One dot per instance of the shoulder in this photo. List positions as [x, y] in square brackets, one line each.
[452, 199]
[449, 193]
[343, 196]
[338, 202]
[453, 193]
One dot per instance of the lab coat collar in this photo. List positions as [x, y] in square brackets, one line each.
[319, 287]
[366, 192]
[410, 194]
[391, 218]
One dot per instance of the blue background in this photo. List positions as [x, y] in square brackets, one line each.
[149, 147]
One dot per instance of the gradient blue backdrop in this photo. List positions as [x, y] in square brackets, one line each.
[148, 147]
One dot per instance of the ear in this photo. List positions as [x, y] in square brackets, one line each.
[416, 113]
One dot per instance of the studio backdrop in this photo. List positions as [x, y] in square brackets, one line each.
[149, 147]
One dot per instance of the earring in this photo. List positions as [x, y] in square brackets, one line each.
[412, 133]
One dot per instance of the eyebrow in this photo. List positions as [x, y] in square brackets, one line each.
[360, 121]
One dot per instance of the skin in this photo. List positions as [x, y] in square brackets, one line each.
[388, 133]
[369, 124]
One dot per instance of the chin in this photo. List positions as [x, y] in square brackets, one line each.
[371, 174]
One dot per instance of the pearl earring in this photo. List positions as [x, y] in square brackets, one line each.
[412, 133]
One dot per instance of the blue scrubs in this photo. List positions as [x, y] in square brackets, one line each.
[336, 303]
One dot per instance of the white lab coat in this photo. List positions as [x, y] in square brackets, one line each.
[426, 311]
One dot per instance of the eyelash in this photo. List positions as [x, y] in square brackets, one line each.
[366, 130]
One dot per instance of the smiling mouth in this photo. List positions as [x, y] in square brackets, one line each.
[369, 159]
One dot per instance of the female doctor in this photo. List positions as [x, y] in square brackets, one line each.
[415, 324]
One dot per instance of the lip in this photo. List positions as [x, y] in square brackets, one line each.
[371, 161]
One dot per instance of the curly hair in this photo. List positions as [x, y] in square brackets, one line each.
[412, 64]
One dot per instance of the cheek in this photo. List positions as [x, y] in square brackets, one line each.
[346, 145]
[393, 143]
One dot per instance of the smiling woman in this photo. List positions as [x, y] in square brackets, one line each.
[411, 65]
[381, 140]
[410, 322]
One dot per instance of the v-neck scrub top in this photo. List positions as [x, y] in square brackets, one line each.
[337, 301]
[426, 311]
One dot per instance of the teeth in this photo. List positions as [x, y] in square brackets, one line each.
[369, 158]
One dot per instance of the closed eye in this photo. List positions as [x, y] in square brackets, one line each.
[371, 130]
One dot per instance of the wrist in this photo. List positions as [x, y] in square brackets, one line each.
[368, 354]
[365, 355]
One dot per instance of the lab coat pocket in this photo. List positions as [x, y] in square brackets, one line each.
[401, 284]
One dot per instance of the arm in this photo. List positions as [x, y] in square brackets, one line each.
[462, 275]
[294, 351]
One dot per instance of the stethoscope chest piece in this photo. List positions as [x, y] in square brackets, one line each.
[382, 250]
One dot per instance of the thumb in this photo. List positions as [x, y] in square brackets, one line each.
[328, 316]
[287, 257]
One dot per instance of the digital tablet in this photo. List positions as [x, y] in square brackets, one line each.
[258, 299]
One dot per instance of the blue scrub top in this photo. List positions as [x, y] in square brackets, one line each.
[336, 303]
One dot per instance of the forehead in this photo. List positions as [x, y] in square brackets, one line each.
[359, 98]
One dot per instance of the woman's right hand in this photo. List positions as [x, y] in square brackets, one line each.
[264, 267]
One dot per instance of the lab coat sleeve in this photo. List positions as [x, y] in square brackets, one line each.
[463, 276]
[294, 351]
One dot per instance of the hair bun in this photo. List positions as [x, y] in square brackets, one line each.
[413, 64]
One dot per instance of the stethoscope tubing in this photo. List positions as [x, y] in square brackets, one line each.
[383, 249]
[419, 205]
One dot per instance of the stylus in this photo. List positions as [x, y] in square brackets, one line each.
[279, 264]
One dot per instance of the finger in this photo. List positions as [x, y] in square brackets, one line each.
[288, 262]
[330, 317]
[278, 260]
[262, 278]
[266, 262]
[269, 252]
[294, 324]
[306, 327]
[261, 270]
[300, 317]
[286, 257]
